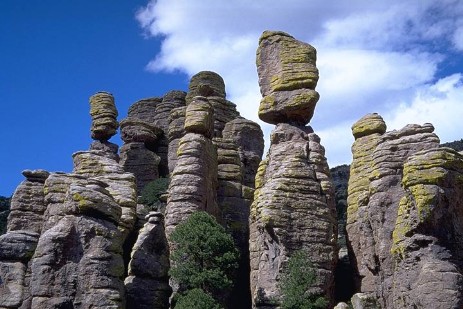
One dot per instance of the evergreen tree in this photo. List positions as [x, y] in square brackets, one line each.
[204, 256]
[296, 280]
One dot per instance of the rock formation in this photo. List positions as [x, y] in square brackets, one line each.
[293, 206]
[193, 184]
[147, 283]
[403, 209]
[104, 123]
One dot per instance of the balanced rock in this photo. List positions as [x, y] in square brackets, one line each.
[104, 116]
[287, 79]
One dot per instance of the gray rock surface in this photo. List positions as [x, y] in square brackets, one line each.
[147, 283]
[291, 211]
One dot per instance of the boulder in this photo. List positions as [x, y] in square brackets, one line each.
[287, 79]
[104, 116]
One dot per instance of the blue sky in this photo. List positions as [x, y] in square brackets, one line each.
[401, 58]
[54, 56]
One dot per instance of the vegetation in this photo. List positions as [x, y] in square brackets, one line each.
[204, 258]
[4, 212]
[152, 192]
[295, 283]
[457, 145]
[196, 299]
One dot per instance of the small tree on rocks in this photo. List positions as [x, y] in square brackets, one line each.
[204, 256]
[295, 283]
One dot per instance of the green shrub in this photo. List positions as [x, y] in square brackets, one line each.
[204, 257]
[296, 280]
[196, 299]
[151, 193]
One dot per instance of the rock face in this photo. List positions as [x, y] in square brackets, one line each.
[401, 186]
[147, 283]
[287, 79]
[293, 206]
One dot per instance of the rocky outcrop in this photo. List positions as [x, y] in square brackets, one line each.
[293, 206]
[426, 248]
[18, 245]
[393, 175]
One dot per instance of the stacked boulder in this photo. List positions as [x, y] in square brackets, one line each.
[293, 206]
[104, 123]
[403, 212]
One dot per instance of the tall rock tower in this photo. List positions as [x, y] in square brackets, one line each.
[293, 206]
[404, 216]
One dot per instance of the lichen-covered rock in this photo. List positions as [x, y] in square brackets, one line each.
[27, 204]
[119, 184]
[147, 283]
[206, 84]
[398, 253]
[104, 116]
[287, 79]
[199, 117]
[193, 184]
[291, 211]
[142, 162]
[427, 250]
[358, 188]
[175, 133]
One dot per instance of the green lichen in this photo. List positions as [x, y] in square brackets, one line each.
[402, 227]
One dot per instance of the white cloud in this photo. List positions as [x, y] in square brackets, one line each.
[440, 104]
[373, 56]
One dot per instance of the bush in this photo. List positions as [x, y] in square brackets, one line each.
[196, 299]
[204, 257]
[295, 283]
[152, 192]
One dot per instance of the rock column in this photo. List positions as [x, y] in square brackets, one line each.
[293, 206]
[193, 185]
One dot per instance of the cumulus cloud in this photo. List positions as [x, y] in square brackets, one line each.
[373, 56]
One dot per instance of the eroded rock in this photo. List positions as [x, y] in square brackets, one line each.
[287, 79]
